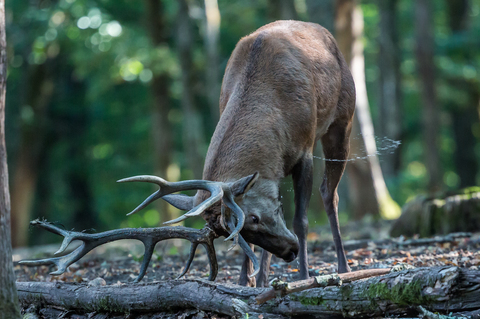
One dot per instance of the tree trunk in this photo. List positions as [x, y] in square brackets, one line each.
[426, 69]
[394, 294]
[463, 111]
[428, 216]
[9, 308]
[390, 117]
[212, 32]
[192, 127]
[282, 10]
[323, 13]
[368, 192]
[40, 89]
[161, 128]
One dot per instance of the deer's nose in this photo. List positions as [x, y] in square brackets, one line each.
[290, 257]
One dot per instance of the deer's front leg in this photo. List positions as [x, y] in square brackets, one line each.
[302, 185]
[246, 271]
[247, 268]
[262, 277]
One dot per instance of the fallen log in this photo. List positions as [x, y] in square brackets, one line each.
[443, 290]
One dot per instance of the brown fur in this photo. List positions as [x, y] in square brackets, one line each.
[280, 94]
[285, 87]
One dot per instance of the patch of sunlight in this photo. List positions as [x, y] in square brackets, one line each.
[151, 217]
[102, 151]
[135, 221]
[146, 75]
[173, 172]
[416, 169]
[389, 209]
[135, 67]
[114, 29]
[58, 18]
[300, 6]
[451, 179]
[83, 22]
[469, 72]
[174, 212]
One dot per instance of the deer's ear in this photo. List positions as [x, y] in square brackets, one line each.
[183, 202]
[244, 184]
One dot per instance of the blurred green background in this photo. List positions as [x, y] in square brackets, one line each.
[99, 90]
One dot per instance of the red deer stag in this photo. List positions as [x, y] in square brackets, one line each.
[285, 87]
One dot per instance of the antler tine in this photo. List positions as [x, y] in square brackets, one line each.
[245, 247]
[225, 225]
[215, 189]
[237, 211]
[216, 194]
[148, 236]
[150, 179]
[193, 250]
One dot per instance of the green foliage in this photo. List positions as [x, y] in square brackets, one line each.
[98, 59]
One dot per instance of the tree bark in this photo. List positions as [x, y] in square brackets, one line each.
[9, 308]
[323, 13]
[192, 127]
[40, 89]
[396, 294]
[368, 192]
[282, 10]
[463, 111]
[161, 127]
[212, 32]
[426, 70]
[429, 216]
[390, 117]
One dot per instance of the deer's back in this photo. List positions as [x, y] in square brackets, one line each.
[279, 95]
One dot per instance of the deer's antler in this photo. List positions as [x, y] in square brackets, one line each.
[151, 236]
[148, 236]
[218, 191]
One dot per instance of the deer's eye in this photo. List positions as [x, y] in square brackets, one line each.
[255, 219]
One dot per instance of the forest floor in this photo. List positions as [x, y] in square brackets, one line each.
[119, 262]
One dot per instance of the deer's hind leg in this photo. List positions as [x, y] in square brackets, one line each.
[335, 148]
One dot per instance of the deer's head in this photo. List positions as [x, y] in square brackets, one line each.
[247, 208]
[264, 222]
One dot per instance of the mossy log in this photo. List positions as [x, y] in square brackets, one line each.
[451, 212]
[446, 290]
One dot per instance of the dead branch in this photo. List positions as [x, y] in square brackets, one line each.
[446, 290]
[281, 288]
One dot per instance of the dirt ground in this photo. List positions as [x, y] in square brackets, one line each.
[120, 262]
